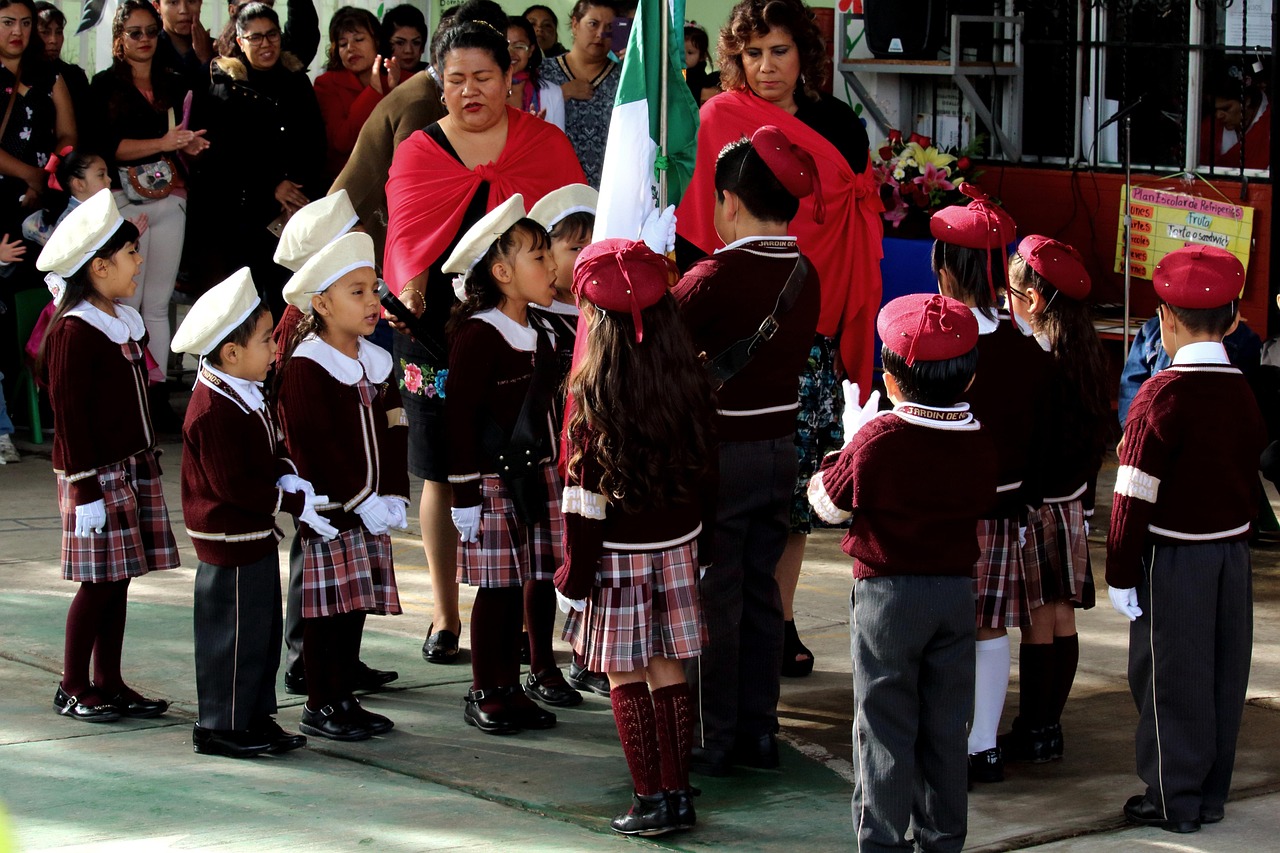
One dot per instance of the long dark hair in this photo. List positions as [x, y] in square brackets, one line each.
[482, 291]
[349, 19]
[403, 15]
[80, 285]
[33, 56]
[73, 164]
[642, 411]
[969, 268]
[1067, 324]
[534, 68]
[240, 25]
[120, 65]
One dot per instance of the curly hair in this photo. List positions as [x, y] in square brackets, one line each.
[120, 67]
[346, 20]
[642, 411]
[756, 18]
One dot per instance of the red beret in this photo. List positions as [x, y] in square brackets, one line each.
[1199, 277]
[981, 224]
[927, 327]
[791, 165]
[1057, 263]
[622, 275]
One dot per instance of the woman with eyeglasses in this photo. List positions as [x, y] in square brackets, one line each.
[529, 92]
[404, 38]
[141, 127]
[355, 79]
[260, 101]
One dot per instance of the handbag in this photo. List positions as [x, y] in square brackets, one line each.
[151, 181]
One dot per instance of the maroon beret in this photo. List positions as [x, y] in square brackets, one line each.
[981, 224]
[791, 165]
[1057, 263]
[622, 275]
[927, 327]
[1199, 277]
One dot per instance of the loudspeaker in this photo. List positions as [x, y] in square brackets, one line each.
[905, 29]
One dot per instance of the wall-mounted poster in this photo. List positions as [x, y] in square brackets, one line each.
[1164, 221]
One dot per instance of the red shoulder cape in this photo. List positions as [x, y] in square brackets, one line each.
[428, 191]
[845, 249]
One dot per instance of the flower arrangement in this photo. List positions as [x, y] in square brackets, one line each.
[916, 178]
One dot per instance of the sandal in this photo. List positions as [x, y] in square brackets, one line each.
[797, 660]
[440, 646]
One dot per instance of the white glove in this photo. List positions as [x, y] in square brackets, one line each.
[1086, 528]
[856, 416]
[567, 604]
[1125, 601]
[90, 519]
[294, 483]
[702, 570]
[1022, 536]
[658, 231]
[467, 520]
[399, 514]
[315, 520]
[374, 515]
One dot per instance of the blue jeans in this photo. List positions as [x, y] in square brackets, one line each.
[6, 425]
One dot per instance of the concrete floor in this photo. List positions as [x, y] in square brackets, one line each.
[436, 784]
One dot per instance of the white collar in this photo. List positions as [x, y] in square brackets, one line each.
[937, 417]
[523, 338]
[1203, 352]
[1043, 340]
[127, 325]
[986, 323]
[374, 362]
[250, 392]
[742, 241]
[568, 309]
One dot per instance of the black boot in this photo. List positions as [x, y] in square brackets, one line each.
[681, 802]
[1027, 744]
[649, 815]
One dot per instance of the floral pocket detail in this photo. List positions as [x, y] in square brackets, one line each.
[422, 380]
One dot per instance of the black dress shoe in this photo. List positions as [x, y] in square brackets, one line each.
[138, 707]
[230, 743]
[71, 706]
[280, 740]
[558, 695]
[526, 713]
[986, 766]
[1024, 743]
[334, 723]
[440, 646]
[758, 752]
[499, 722]
[1138, 810]
[587, 681]
[650, 815]
[1210, 814]
[375, 723]
[295, 682]
[708, 761]
[368, 679]
[681, 802]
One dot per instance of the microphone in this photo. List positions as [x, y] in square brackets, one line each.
[412, 322]
[1121, 113]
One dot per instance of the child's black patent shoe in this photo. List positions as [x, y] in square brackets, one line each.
[88, 712]
[681, 804]
[499, 722]
[649, 815]
[986, 766]
[1026, 744]
[334, 723]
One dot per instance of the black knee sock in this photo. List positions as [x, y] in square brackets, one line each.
[1036, 684]
[1066, 653]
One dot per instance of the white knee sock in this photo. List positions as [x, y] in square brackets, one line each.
[991, 683]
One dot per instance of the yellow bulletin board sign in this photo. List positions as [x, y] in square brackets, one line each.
[1164, 221]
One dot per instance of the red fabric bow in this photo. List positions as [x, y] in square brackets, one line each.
[51, 167]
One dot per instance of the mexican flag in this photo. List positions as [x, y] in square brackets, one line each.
[629, 181]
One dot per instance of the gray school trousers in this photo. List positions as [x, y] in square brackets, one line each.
[1189, 655]
[912, 639]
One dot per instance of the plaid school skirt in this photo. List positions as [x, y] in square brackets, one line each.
[644, 603]
[1057, 555]
[351, 573]
[510, 552]
[137, 537]
[1001, 584]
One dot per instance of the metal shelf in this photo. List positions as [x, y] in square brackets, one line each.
[1007, 133]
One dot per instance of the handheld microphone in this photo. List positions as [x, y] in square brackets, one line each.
[412, 322]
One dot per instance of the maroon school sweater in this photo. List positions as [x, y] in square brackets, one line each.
[1009, 396]
[99, 400]
[1188, 465]
[346, 450]
[232, 456]
[723, 299]
[915, 480]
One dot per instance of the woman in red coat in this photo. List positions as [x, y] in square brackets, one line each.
[353, 83]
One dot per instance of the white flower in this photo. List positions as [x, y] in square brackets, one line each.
[899, 173]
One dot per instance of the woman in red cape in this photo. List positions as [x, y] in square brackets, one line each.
[433, 197]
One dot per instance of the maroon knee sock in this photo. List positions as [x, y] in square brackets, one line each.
[1066, 654]
[84, 620]
[637, 729]
[109, 647]
[673, 712]
[540, 617]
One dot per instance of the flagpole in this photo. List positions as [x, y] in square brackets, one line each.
[665, 11]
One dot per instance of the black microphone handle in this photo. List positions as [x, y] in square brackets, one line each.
[413, 323]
